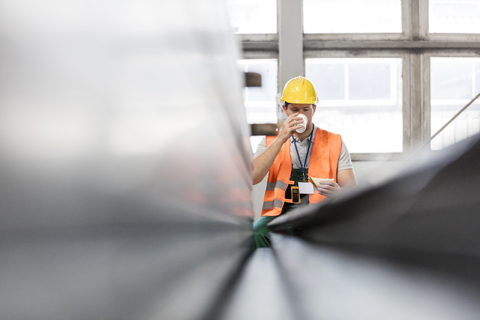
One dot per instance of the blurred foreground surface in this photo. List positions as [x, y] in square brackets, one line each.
[125, 172]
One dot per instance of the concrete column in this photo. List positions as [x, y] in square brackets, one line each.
[290, 44]
[418, 125]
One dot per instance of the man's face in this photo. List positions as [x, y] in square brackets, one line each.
[307, 109]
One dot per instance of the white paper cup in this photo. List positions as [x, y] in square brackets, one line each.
[304, 124]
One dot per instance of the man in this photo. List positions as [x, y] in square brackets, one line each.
[291, 158]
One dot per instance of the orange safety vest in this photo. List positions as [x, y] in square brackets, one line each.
[323, 164]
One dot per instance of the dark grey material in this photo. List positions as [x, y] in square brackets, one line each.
[253, 79]
[432, 206]
[327, 282]
[408, 248]
[263, 129]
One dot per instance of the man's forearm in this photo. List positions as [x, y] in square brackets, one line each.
[346, 178]
[264, 161]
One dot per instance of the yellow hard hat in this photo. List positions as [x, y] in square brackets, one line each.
[299, 90]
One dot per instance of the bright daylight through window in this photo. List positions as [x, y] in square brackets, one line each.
[250, 16]
[352, 16]
[454, 82]
[454, 16]
[360, 98]
[388, 72]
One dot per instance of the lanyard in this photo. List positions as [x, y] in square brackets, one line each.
[306, 156]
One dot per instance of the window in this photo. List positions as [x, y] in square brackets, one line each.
[454, 82]
[360, 98]
[389, 73]
[352, 16]
[250, 16]
[454, 16]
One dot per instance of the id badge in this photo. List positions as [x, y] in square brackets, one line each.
[305, 187]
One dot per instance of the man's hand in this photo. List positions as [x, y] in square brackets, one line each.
[264, 161]
[327, 188]
[292, 123]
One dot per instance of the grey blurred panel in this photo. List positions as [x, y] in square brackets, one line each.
[329, 283]
[119, 273]
[426, 216]
[261, 292]
[125, 161]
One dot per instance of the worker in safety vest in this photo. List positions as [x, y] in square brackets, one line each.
[295, 157]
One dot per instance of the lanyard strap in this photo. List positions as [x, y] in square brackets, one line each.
[306, 156]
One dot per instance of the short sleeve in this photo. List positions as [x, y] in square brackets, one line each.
[262, 146]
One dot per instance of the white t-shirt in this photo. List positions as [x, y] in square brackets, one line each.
[344, 161]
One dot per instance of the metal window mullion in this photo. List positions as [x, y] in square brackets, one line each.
[415, 123]
[426, 110]
[423, 19]
[259, 55]
[406, 23]
[416, 120]
[414, 19]
[406, 104]
[418, 18]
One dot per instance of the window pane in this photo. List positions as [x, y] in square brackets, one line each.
[454, 16]
[352, 16]
[250, 16]
[367, 108]
[328, 78]
[454, 82]
[260, 102]
[376, 90]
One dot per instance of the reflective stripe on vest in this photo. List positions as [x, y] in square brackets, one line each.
[269, 205]
[323, 164]
[279, 184]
